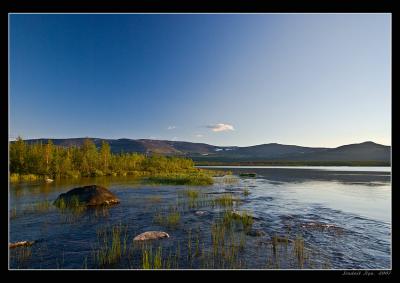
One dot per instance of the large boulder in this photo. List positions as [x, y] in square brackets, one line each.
[88, 195]
[151, 235]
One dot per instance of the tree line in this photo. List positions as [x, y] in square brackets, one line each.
[47, 159]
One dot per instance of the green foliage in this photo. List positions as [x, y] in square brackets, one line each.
[42, 206]
[171, 219]
[41, 160]
[150, 260]
[194, 179]
[225, 200]
[112, 245]
[244, 218]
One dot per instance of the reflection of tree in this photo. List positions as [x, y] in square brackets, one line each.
[45, 188]
[17, 191]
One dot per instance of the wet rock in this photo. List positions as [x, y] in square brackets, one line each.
[278, 239]
[21, 244]
[151, 235]
[201, 213]
[256, 233]
[320, 226]
[237, 214]
[89, 195]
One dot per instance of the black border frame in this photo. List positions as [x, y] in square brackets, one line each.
[159, 6]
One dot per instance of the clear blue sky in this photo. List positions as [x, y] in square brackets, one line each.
[224, 79]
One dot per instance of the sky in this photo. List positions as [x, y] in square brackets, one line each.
[222, 79]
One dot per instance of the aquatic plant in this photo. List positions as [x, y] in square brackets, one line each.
[112, 245]
[42, 206]
[248, 174]
[191, 194]
[244, 218]
[246, 192]
[299, 250]
[230, 179]
[193, 179]
[153, 261]
[16, 177]
[225, 200]
[154, 199]
[171, 219]
[13, 212]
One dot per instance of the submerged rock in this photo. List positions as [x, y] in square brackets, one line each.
[256, 233]
[89, 196]
[151, 235]
[320, 226]
[201, 213]
[250, 174]
[20, 244]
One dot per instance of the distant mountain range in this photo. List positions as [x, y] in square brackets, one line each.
[366, 151]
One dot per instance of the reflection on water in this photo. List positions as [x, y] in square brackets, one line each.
[343, 216]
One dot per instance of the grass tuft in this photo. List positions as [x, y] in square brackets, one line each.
[225, 200]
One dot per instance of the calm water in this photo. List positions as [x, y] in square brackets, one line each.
[344, 217]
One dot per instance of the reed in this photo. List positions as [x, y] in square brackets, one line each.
[13, 213]
[154, 199]
[153, 261]
[299, 251]
[42, 206]
[112, 245]
[244, 218]
[171, 219]
[225, 200]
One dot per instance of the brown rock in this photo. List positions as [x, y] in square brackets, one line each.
[89, 196]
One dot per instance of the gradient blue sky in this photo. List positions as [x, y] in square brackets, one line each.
[306, 79]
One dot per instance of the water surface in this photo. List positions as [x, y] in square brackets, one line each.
[344, 217]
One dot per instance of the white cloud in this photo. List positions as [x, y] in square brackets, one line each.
[171, 127]
[221, 127]
[199, 135]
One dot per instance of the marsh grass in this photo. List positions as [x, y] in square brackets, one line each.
[13, 213]
[73, 205]
[171, 219]
[245, 219]
[154, 259]
[60, 263]
[84, 265]
[194, 199]
[225, 200]
[101, 212]
[155, 199]
[21, 256]
[112, 245]
[191, 179]
[230, 179]
[191, 194]
[246, 192]
[15, 177]
[292, 253]
[299, 251]
[42, 206]
[227, 246]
